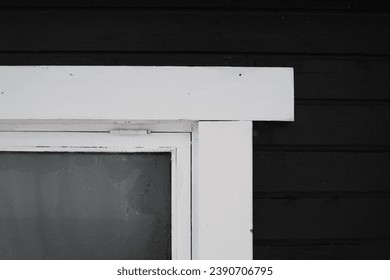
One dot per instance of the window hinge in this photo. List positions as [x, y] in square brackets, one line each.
[130, 131]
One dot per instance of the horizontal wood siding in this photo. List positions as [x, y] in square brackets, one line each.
[344, 5]
[199, 31]
[318, 172]
[321, 183]
[324, 249]
[329, 218]
[330, 125]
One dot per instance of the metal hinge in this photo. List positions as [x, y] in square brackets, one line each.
[130, 132]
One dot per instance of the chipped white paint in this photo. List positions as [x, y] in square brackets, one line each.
[93, 125]
[222, 191]
[145, 93]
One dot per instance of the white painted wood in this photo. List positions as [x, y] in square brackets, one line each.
[92, 100]
[93, 126]
[176, 143]
[146, 93]
[222, 190]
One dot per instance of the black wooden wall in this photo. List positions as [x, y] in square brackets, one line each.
[322, 183]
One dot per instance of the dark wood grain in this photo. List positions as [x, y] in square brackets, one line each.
[194, 32]
[328, 251]
[327, 77]
[353, 126]
[321, 219]
[345, 5]
[295, 171]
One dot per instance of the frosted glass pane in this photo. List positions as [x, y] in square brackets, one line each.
[85, 205]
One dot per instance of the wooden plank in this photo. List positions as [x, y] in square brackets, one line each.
[188, 31]
[327, 77]
[323, 252]
[145, 93]
[316, 77]
[321, 172]
[253, 4]
[215, 173]
[321, 218]
[346, 124]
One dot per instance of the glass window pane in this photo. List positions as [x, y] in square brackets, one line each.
[85, 205]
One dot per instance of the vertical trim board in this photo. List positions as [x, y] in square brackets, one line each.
[222, 191]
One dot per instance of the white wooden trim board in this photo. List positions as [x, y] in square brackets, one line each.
[222, 191]
[146, 93]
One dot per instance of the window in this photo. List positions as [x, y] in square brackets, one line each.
[102, 195]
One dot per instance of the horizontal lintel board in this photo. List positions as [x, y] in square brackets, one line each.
[146, 93]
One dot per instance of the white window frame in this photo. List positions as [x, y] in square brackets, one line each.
[215, 104]
[124, 141]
